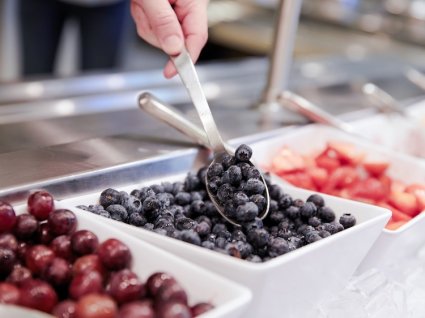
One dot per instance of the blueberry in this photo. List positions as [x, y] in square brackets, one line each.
[175, 210]
[177, 187]
[176, 234]
[131, 203]
[273, 206]
[208, 244]
[225, 192]
[191, 183]
[254, 186]
[136, 219]
[258, 238]
[205, 219]
[215, 170]
[164, 223]
[330, 227]
[240, 198]
[292, 212]
[117, 212]
[339, 227]
[244, 166]
[210, 209]
[314, 221]
[253, 173]
[148, 226]
[312, 236]
[96, 209]
[278, 246]
[191, 237]
[196, 195]
[308, 210]
[85, 208]
[347, 220]
[136, 192]
[213, 184]
[157, 188]
[275, 192]
[317, 200]
[285, 233]
[238, 235]
[225, 178]
[260, 201]
[182, 198]
[160, 231]
[262, 252]
[241, 186]
[150, 204]
[244, 248]
[296, 241]
[256, 224]
[298, 203]
[202, 174]
[105, 214]
[233, 250]
[235, 175]
[145, 193]
[246, 212]
[285, 201]
[109, 197]
[211, 237]
[326, 214]
[219, 227]
[227, 161]
[243, 153]
[304, 229]
[167, 186]
[185, 224]
[221, 242]
[203, 229]
[225, 234]
[324, 233]
[229, 209]
[254, 259]
[197, 207]
[276, 217]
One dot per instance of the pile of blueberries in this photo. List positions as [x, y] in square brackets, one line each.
[183, 210]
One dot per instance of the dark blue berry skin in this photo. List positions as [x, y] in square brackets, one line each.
[273, 206]
[136, 192]
[150, 204]
[211, 237]
[330, 227]
[157, 188]
[292, 212]
[105, 214]
[191, 237]
[109, 197]
[298, 203]
[185, 224]
[131, 204]
[196, 195]
[182, 198]
[191, 183]
[238, 235]
[117, 212]
[285, 233]
[221, 242]
[260, 201]
[254, 259]
[339, 227]
[164, 223]
[197, 208]
[213, 184]
[227, 161]
[210, 209]
[312, 237]
[308, 210]
[204, 218]
[96, 209]
[176, 234]
[314, 221]
[136, 220]
[219, 227]
[304, 229]
[243, 153]
[244, 248]
[275, 192]
[244, 166]
[254, 186]
[202, 175]
[256, 224]
[148, 226]
[347, 220]
[215, 170]
[253, 173]
[326, 214]
[296, 241]
[165, 199]
[224, 193]
[324, 233]
[285, 201]
[276, 217]
[225, 234]
[203, 229]
[258, 238]
[167, 186]
[317, 200]
[225, 178]
[145, 192]
[246, 212]
[208, 244]
[240, 198]
[230, 209]
[278, 246]
[233, 250]
[177, 188]
[235, 175]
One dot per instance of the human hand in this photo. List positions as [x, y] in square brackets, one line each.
[172, 24]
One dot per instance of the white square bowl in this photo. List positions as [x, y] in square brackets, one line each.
[230, 299]
[391, 245]
[288, 285]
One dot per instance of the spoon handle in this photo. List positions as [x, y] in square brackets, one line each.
[175, 118]
[189, 77]
[306, 108]
[381, 100]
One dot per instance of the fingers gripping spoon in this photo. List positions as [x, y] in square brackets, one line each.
[189, 77]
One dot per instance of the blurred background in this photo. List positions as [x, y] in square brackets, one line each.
[239, 28]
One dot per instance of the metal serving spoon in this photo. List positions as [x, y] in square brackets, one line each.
[176, 119]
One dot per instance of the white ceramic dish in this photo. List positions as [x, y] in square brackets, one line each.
[391, 245]
[290, 284]
[229, 298]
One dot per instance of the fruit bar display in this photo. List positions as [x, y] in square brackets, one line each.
[183, 210]
[48, 264]
[342, 170]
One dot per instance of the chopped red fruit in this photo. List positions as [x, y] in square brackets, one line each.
[375, 167]
[318, 175]
[287, 161]
[327, 162]
[405, 202]
[301, 180]
[346, 152]
[394, 225]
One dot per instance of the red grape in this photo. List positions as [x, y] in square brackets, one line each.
[38, 295]
[7, 261]
[44, 236]
[171, 293]
[62, 222]
[124, 286]
[38, 258]
[9, 294]
[40, 204]
[85, 283]
[58, 273]
[65, 309]
[157, 280]
[84, 242]
[88, 263]
[201, 308]
[96, 306]
[61, 245]
[19, 276]
[114, 255]
[22, 250]
[9, 241]
[7, 217]
[174, 310]
[137, 309]
[26, 226]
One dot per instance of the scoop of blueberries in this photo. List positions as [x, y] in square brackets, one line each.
[183, 210]
[47, 264]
